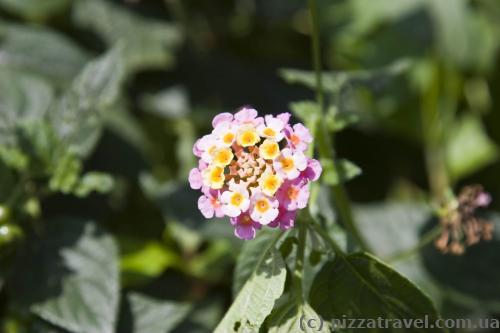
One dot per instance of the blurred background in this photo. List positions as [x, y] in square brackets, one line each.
[423, 81]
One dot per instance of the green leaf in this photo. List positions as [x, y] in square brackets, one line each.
[391, 228]
[335, 81]
[94, 182]
[469, 148]
[155, 316]
[342, 172]
[148, 43]
[361, 286]
[450, 19]
[56, 58]
[306, 111]
[69, 277]
[13, 158]
[250, 256]
[66, 174]
[257, 297]
[24, 99]
[290, 317]
[171, 103]
[149, 259]
[77, 118]
[337, 121]
[34, 9]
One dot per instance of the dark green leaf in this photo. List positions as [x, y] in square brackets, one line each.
[470, 279]
[342, 172]
[70, 278]
[361, 286]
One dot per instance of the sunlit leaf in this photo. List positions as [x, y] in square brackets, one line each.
[148, 43]
[291, 317]
[76, 118]
[335, 81]
[56, 58]
[35, 9]
[251, 254]
[257, 297]
[469, 148]
[94, 182]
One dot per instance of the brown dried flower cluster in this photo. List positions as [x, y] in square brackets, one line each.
[461, 226]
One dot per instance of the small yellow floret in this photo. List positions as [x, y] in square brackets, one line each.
[287, 163]
[216, 177]
[222, 157]
[228, 138]
[236, 199]
[262, 205]
[248, 137]
[269, 132]
[269, 150]
[270, 184]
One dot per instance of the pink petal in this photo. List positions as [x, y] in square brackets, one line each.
[302, 132]
[196, 149]
[313, 170]
[222, 117]
[195, 179]
[246, 115]
[246, 232]
[285, 117]
[205, 207]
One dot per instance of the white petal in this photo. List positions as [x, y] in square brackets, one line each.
[231, 210]
[292, 174]
[300, 161]
[225, 197]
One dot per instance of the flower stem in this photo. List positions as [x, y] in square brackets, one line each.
[325, 140]
[298, 271]
[326, 237]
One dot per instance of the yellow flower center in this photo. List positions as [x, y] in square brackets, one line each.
[269, 150]
[216, 177]
[262, 205]
[236, 199]
[248, 138]
[228, 138]
[223, 157]
[211, 149]
[287, 163]
[268, 131]
[271, 184]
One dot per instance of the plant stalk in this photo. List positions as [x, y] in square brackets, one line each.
[325, 140]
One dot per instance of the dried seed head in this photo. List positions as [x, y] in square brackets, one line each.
[461, 227]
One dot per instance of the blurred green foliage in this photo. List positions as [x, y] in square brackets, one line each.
[101, 101]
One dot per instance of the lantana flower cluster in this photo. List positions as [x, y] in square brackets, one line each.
[254, 170]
